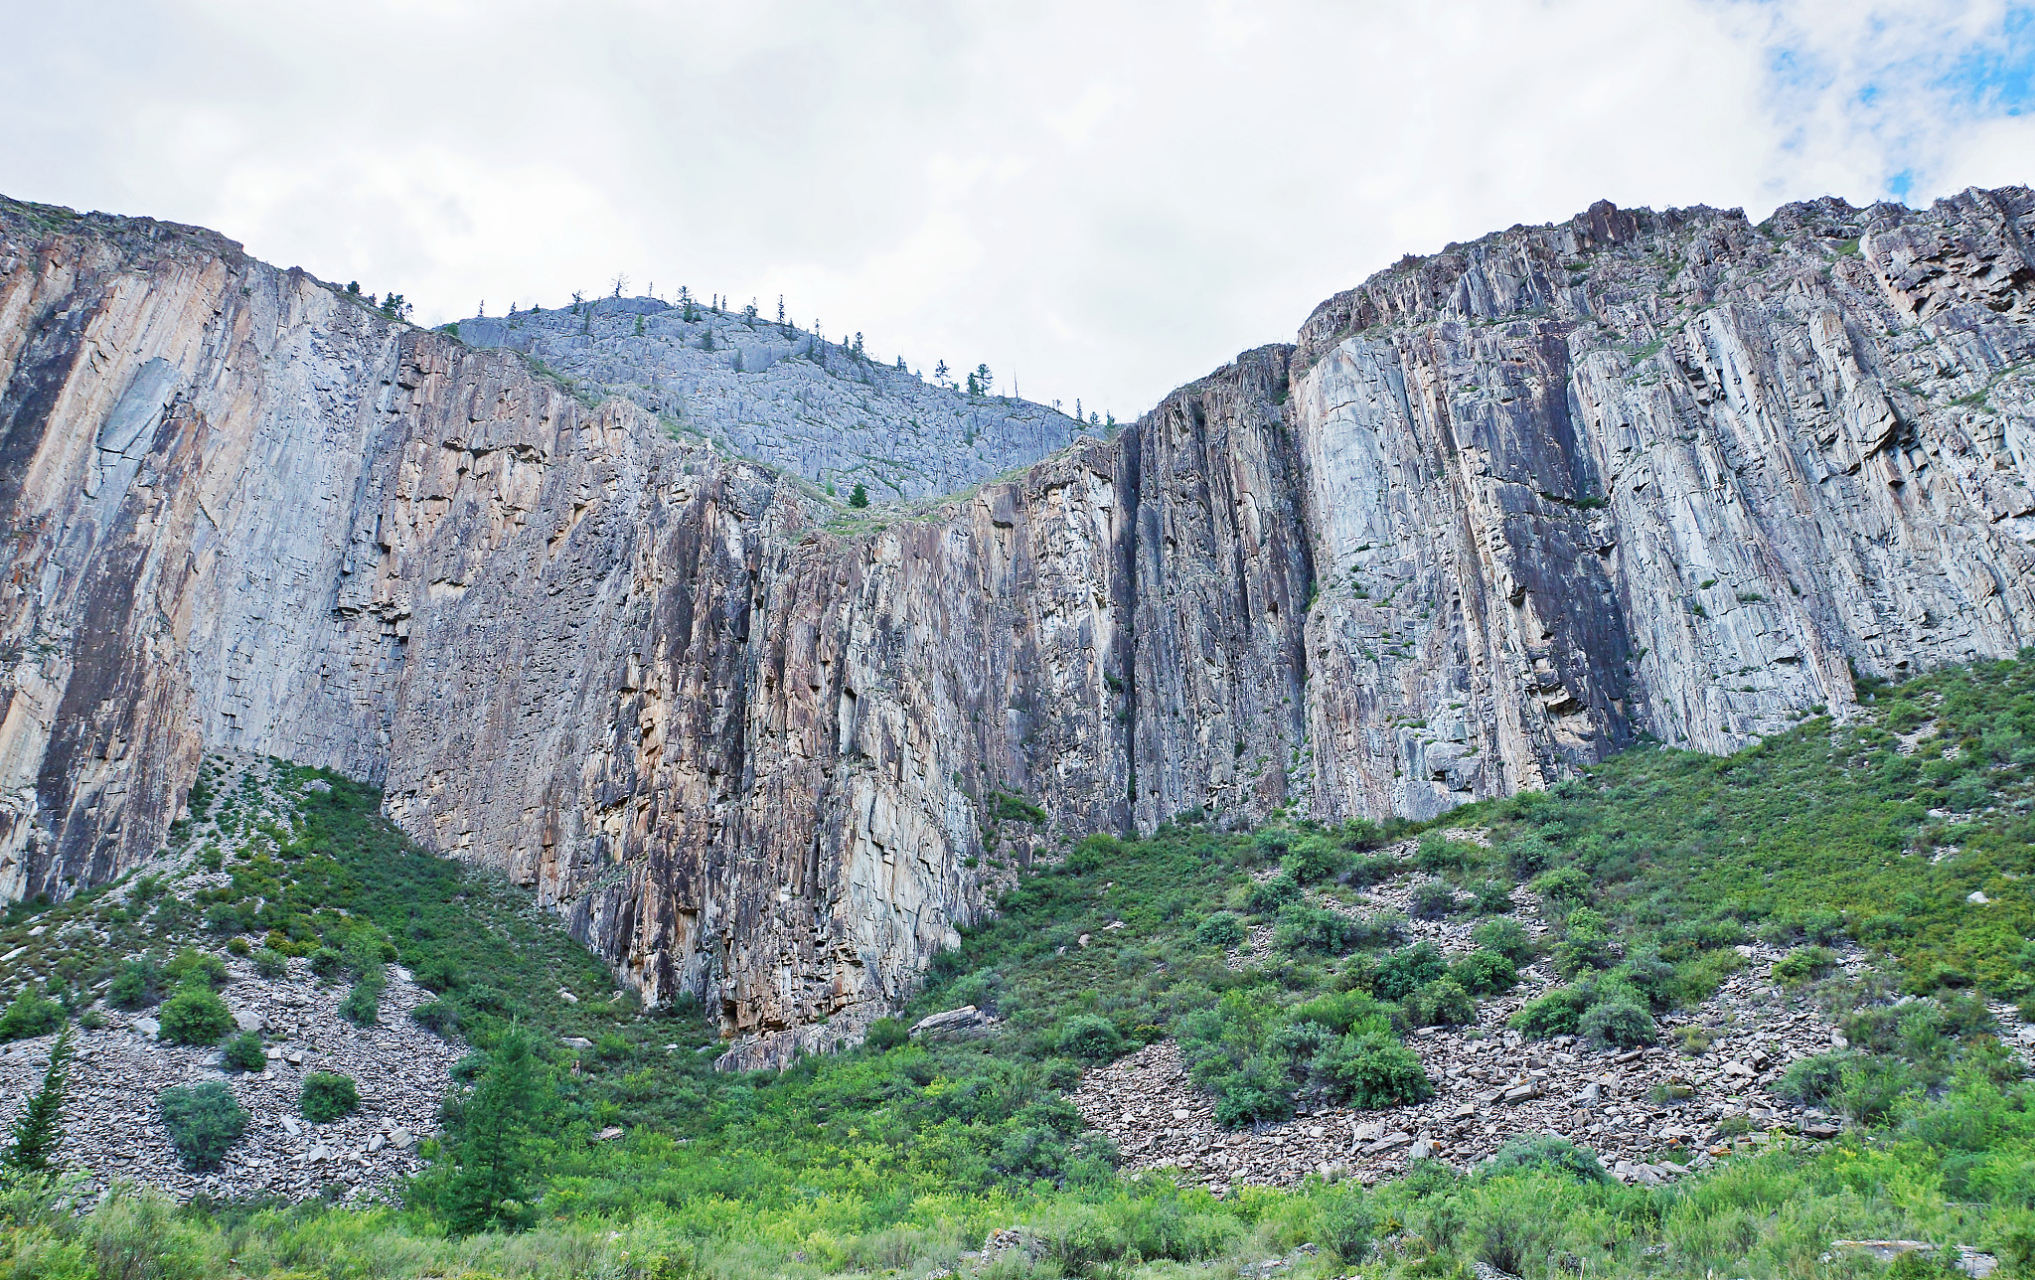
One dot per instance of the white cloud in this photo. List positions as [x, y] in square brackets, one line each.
[1107, 198]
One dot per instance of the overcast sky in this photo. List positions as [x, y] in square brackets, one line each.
[1103, 199]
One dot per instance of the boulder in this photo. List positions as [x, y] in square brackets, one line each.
[964, 1023]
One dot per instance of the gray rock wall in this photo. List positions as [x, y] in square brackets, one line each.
[1496, 513]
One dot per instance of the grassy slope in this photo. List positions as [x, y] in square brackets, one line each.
[896, 1158]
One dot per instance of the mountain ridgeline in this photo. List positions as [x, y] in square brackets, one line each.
[1495, 514]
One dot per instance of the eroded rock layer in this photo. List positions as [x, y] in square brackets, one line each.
[1498, 512]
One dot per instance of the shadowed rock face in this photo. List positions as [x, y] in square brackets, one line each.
[1498, 512]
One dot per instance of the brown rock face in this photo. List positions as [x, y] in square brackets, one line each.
[1498, 512]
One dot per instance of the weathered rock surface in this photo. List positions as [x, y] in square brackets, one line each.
[1498, 512]
[781, 395]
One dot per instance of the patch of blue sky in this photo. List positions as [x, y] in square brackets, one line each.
[1997, 77]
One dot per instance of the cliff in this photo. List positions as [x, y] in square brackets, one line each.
[1498, 512]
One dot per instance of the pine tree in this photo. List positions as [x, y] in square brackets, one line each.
[780, 309]
[983, 378]
[941, 375]
[39, 1130]
[859, 495]
[493, 1165]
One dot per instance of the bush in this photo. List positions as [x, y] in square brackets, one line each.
[1257, 1092]
[886, 1034]
[1620, 1021]
[1437, 853]
[1561, 891]
[439, 1017]
[271, 963]
[1584, 950]
[362, 1005]
[203, 1121]
[1812, 1082]
[136, 986]
[1220, 929]
[1485, 973]
[1343, 1012]
[1871, 1087]
[1444, 1003]
[31, 1014]
[327, 1096]
[1555, 1014]
[327, 963]
[1493, 897]
[1315, 859]
[1266, 896]
[1371, 1071]
[1347, 1224]
[1546, 1152]
[1803, 964]
[1506, 937]
[1432, 901]
[244, 1053]
[1090, 1037]
[192, 966]
[1317, 930]
[194, 1016]
[1404, 972]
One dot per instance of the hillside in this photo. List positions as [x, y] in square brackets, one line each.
[1773, 990]
[780, 395]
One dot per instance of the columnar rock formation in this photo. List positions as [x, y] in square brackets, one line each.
[1498, 512]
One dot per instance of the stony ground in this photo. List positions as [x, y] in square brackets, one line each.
[1648, 1113]
[113, 1130]
[112, 1122]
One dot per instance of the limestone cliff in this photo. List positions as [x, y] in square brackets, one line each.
[1497, 512]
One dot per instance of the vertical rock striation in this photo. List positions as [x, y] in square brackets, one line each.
[1497, 512]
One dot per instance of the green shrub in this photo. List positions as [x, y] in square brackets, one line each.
[1220, 929]
[244, 1053]
[1547, 1152]
[1620, 1022]
[195, 1015]
[1493, 897]
[1315, 859]
[1316, 930]
[1256, 1092]
[1506, 937]
[1432, 901]
[191, 966]
[1812, 1082]
[1089, 1037]
[1342, 1012]
[271, 963]
[1265, 896]
[1803, 964]
[886, 1034]
[203, 1121]
[1583, 950]
[136, 986]
[31, 1014]
[1406, 971]
[1557, 1013]
[441, 1017]
[362, 1005]
[1444, 1003]
[328, 963]
[1371, 1071]
[1361, 835]
[1347, 1224]
[1438, 853]
[1485, 973]
[1872, 1086]
[327, 1096]
[1561, 891]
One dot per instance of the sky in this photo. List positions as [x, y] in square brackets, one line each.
[1098, 200]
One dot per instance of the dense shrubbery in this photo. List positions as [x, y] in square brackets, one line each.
[195, 1015]
[326, 1096]
[30, 1014]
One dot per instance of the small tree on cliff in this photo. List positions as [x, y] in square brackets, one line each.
[859, 495]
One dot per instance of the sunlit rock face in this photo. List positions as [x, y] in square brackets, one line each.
[1498, 512]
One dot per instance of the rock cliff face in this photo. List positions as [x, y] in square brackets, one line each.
[1498, 512]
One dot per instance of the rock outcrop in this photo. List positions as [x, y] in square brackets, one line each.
[1498, 512]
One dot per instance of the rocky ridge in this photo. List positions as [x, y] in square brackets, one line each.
[780, 395]
[1497, 512]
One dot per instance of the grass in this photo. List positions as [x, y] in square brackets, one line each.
[900, 1157]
